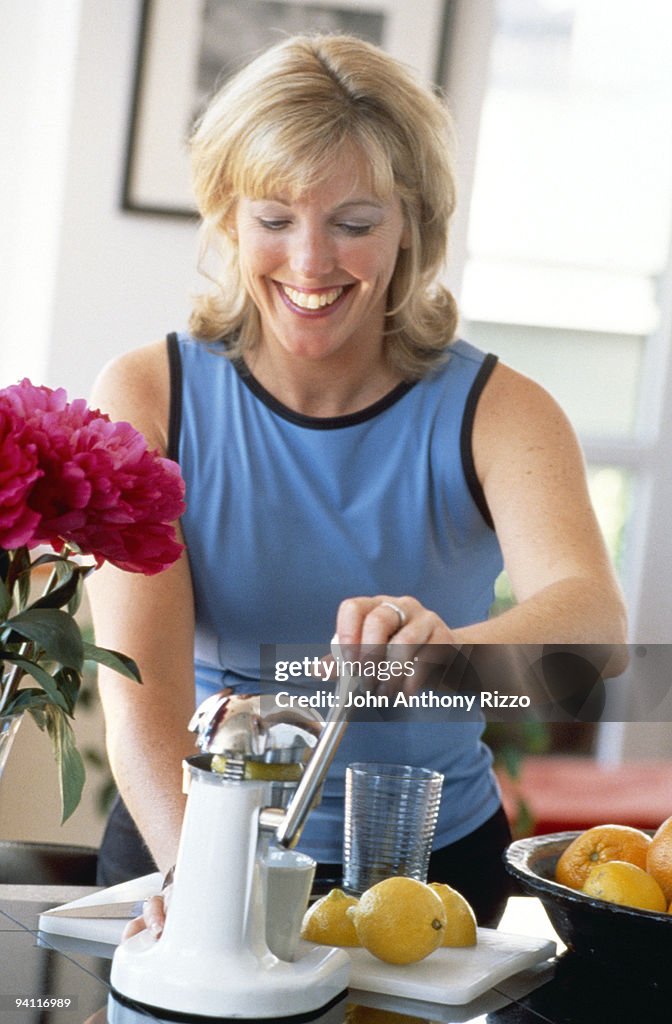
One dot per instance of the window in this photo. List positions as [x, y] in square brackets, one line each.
[567, 272]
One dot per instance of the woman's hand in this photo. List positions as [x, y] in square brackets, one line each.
[367, 626]
[364, 622]
[153, 916]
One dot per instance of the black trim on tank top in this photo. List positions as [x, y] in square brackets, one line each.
[350, 419]
[466, 437]
[175, 411]
[334, 422]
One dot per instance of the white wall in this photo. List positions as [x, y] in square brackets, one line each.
[37, 74]
[115, 279]
[123, 278]
[81, 280]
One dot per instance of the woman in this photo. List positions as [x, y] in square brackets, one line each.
[350, 468]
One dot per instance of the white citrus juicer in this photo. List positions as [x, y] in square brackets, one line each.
[212, 959]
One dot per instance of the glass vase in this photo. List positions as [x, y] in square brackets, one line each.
[9, 726]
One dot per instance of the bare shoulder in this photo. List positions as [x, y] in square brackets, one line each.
[518, 420]
[512, 395]
[136, 387]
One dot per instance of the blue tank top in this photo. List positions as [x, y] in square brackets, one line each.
[289, 514]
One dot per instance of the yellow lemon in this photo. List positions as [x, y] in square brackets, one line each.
[618, 881]
[399, 920]
[460, 927]
[326, 922]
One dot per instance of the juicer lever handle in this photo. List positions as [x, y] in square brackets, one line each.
[289, 829]
[301, 804]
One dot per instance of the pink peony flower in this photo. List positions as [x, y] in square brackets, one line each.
[18, 473]
[87, 482]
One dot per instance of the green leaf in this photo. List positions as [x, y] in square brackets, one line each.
[20, 571]
[69, 682]
[5, 600]
[511, 758]
[64, 592]
[72, 773]
[121, 663]
[54, 559]
[36, 711]
[29, 698]
[48, 683]
[93, 757]
[106, 795]
[76, 599]
[54, 631]
[523, 825]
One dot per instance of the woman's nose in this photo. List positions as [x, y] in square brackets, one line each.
[312, 253]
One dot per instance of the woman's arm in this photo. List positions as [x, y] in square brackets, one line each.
[532, 472]
[533, 475]
[152, 620]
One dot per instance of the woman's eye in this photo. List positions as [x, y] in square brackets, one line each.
[355, 229]
[272, 223]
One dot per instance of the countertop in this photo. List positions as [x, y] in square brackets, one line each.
[69, 984]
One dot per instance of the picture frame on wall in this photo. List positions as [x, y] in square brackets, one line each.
[187, 49]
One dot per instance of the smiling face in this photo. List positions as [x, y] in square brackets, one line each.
[318, 265]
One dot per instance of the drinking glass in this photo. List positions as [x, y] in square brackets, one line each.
[390, 819]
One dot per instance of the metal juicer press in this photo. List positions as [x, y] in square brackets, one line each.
[255, 781]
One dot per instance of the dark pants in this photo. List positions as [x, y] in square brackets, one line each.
[123, 854]
[473, 865]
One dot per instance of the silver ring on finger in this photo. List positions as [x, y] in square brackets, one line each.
[395, 608]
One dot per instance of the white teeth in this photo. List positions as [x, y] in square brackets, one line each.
[312, 300]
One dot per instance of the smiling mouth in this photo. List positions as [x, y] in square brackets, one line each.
[312, 301]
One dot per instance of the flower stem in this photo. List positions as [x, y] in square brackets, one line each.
[9, 686]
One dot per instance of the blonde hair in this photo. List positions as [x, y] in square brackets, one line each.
[278, 126]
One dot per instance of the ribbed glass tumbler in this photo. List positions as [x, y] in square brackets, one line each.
[390, 819]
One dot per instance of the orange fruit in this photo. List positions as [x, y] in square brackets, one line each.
[400, 920]
[598, 845]
[659, 858]
[617, 881]
[327, 923]
[460, 927]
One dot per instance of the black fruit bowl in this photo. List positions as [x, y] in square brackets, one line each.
[620, 938]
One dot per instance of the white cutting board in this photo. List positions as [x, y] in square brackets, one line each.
[452, 976]
[100, 930]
